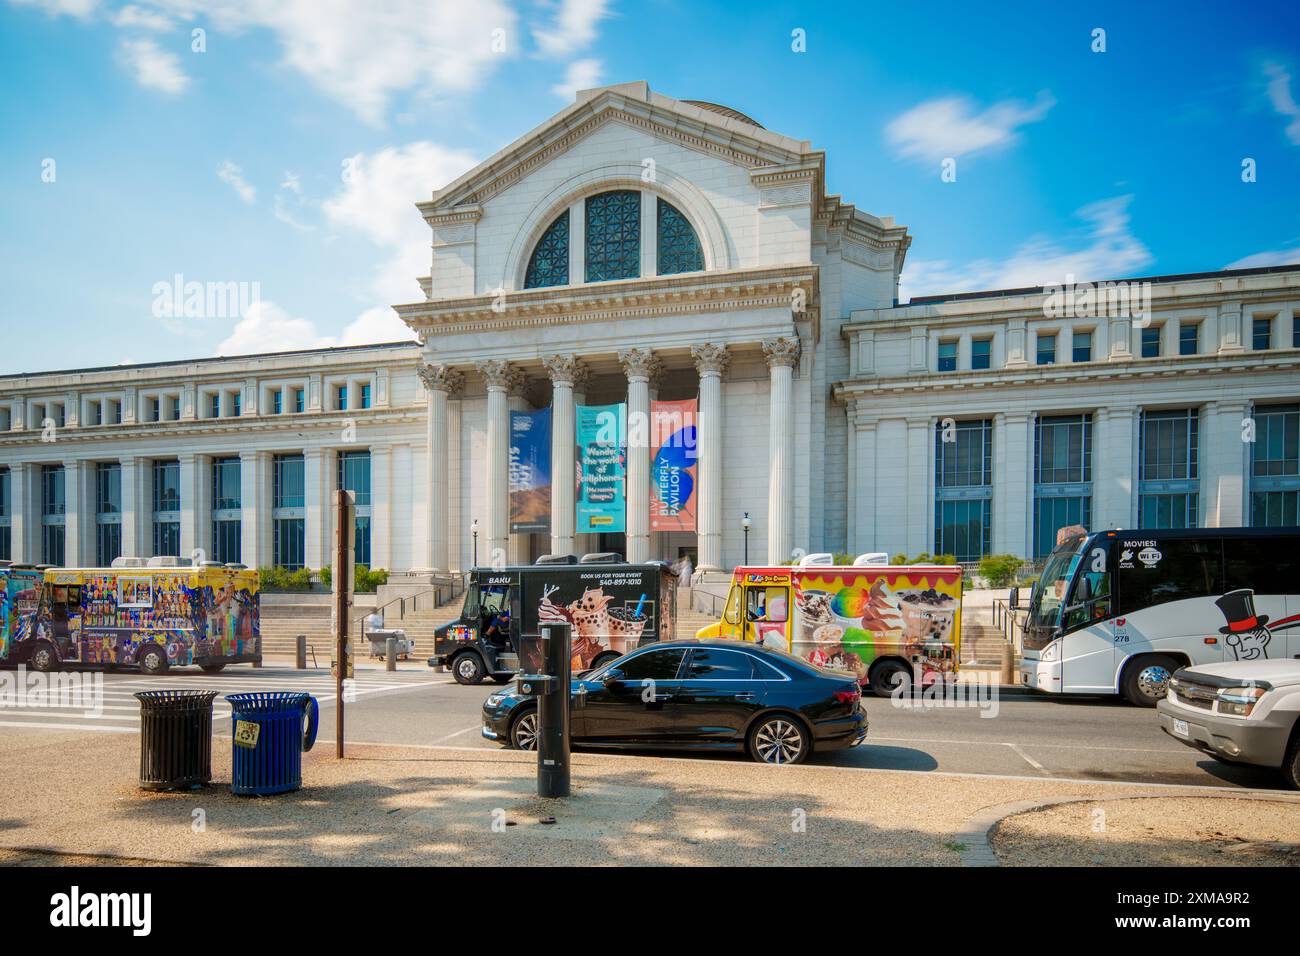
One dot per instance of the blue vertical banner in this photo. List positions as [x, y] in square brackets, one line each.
[530, 471]
[601, 435]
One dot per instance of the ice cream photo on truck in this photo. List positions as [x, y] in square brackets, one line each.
[888, 624]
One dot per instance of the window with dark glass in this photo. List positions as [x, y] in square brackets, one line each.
[1082, 347]
[108, 513]
[287, 515]
[365, 396]
[1189, 338]
[963, 488]
[6, 540]
[299, 399]
[166, 494]
[277, 400]
[1261, 335]
[613, 236]
[1185, 569]
[214, 405]
[1062, 477]
[1265, 565]
[1046, 353]
[155, 409]
[981, 353]
[1295, 331]
[53, 514]
[653, 665]
[1151, 341]
[947, 356]
[354, 476]
[677, 245]
[1275, 466]
[341, 398]
[712, 663]
[1168, 457]
[549, 264]
[227, 517]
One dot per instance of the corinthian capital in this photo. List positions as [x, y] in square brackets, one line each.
[498, 374]
[564, 369]
[710, 358]
[640, 363]
[443, 378]
[781, 351]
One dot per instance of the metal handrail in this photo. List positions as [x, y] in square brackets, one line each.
[697, 598]
[1010, 621]
[442, 593]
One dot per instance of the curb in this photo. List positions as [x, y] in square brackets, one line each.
[977, 833]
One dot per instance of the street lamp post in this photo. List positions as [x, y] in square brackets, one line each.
[746, 524]
[473, 529]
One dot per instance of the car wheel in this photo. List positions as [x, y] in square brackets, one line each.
[779, 739]
[1147, 679]
[1291, 765]
[43, 657]
[212, 668]
[888, 676]
[467, 668]
[153, 659]
[523, 731]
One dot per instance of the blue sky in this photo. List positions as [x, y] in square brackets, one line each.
[228, 165]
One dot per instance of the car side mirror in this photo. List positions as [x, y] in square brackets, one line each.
[612, 677]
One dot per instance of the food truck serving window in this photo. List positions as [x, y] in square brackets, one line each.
[767, 604]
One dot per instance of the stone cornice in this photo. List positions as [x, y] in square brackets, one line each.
[768, 287]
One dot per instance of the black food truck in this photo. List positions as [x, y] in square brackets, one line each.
[614, 607]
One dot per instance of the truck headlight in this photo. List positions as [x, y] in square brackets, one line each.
[1051, 653]
[1239, 701]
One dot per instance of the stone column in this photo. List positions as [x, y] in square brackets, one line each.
[318, 482]
[863, 479]
[440, 381]
[563, 370]
[920, 472]
[782, 354]
[1225, 459]
[498, 376]
[381, 507]
[640, 365]
[1013, 491]
[1114, 478]
[133, 546]
[710, 361]
[78, 519]
[20, 523]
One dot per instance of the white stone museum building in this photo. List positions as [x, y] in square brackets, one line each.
[637, 249]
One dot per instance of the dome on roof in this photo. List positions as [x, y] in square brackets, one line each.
[725, 111]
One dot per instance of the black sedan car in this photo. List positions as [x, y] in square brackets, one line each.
[698, 695]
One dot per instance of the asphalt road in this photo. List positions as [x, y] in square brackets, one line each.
[1087, 739]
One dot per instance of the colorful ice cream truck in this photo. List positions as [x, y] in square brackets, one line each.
[884, 623]
[20, 591]
[153, 618]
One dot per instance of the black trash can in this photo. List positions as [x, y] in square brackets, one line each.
[175, 739]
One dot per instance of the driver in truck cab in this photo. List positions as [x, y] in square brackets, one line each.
[498, 629]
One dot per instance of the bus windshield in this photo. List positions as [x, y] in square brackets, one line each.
[1045, 606]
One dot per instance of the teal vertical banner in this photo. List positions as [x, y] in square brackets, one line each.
[601, 435]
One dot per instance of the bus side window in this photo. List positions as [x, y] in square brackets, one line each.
[1184, 569]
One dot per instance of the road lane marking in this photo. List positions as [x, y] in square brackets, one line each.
[1028, 759]
[459, 733]
[102, 728]
[1000, 743]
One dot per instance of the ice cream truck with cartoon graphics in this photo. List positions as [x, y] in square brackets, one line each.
[1117, 612]
[889, 625]
[613, 607]
[151, 618]
[20, 591]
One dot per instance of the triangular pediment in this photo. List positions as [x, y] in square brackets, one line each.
[718, 131]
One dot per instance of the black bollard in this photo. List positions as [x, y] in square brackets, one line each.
[553, 713]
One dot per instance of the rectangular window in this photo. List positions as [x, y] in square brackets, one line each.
[365, 396]
[963, 481]
[1168, 469]
[981, 353]
[6, 511]
[1189, 338]
[1275, 466]
[289, 539]
[176, 409]
[1295, 331]
[115, 412]
[354, 476]
[341, 398]
[947, 356]
[227, 541]
[108, 513]
[299, 400]
[1062, 477]
[236, 404]
[227, 518]
[1187, 569]
[1082, 347]
[289, 481]
[53, 509]
[155, 409]
[226, 492]
[166, 495]
[287, 517]
[1151, 341]
[1046, 352]
[214, 405]
[277, 400]
[1261, 334]
[96, 413]
[167, 538]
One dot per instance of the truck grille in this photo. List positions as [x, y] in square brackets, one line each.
[1192, 694]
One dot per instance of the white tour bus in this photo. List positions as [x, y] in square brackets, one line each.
[1120, 611]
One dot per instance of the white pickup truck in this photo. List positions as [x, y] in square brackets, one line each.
[1239, 712]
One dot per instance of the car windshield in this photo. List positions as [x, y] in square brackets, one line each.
[1045, 605]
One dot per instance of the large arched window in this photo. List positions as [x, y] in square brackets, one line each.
[612, 242]
[549, 264]
[678, 248]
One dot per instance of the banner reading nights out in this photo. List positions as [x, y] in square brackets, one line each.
[673, 465]
[530, 471]
[602, 467]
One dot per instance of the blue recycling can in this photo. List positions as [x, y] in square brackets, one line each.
[269, 740]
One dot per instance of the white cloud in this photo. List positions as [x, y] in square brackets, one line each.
[154, 68]
[131, 16]
[1273, 257]
[233, 176]
[950, 126]
[268, 328]
[580, 75]
[573, 27]
[1279, 94]
[81, 9]
[360, 52]
[289, 200]
[1109, 250]
[380, 324]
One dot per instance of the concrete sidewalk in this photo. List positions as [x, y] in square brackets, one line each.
[384, 806]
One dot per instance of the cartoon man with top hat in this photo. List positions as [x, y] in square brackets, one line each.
[1247, 632]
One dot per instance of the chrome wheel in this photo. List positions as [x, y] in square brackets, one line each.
[524, 734]
[43, 658]
[1153, 681]
[779, 741]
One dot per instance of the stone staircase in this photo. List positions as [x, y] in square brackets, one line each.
[981, 644]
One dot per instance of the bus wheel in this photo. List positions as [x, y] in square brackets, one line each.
[1147, 678]
[212, 668]
[153, 659]
[467, 668]
[888, 675]
[43, 657]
